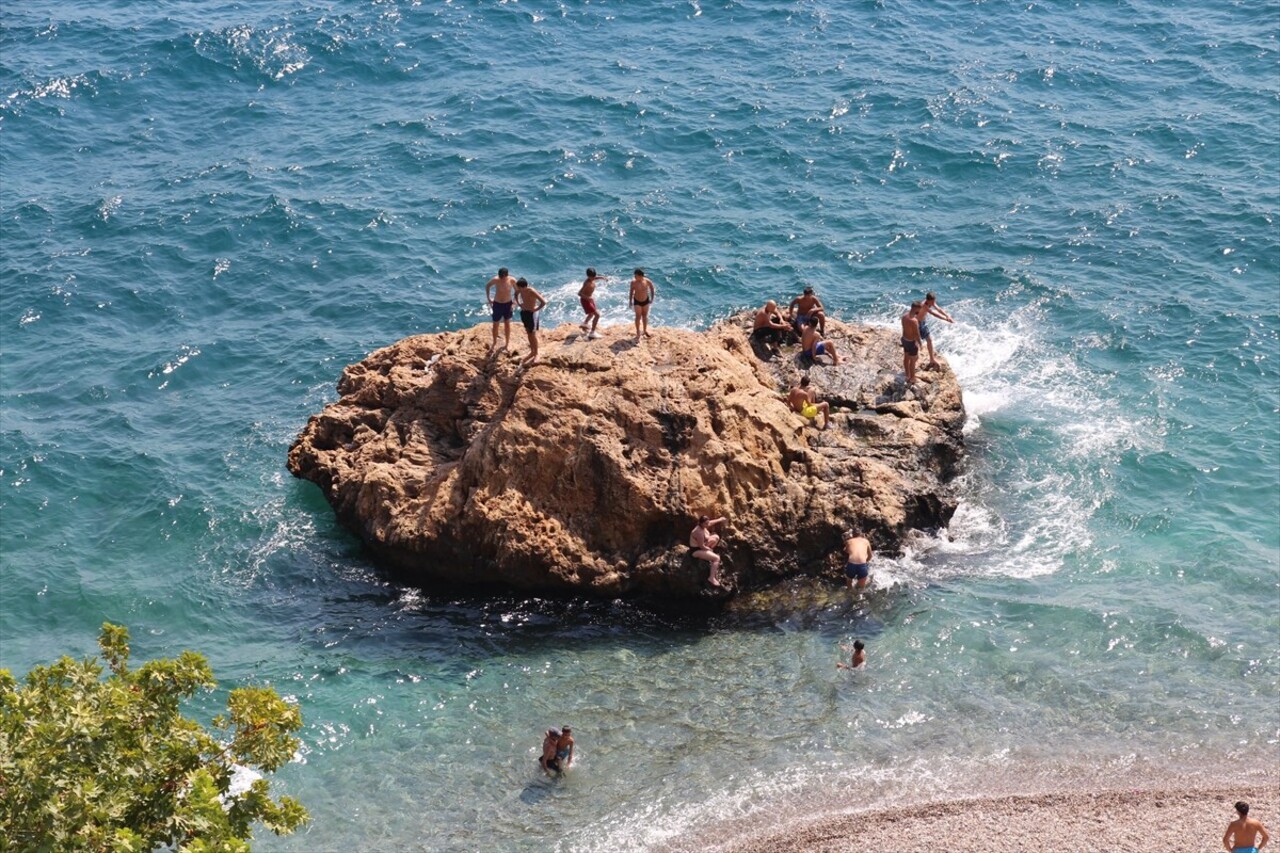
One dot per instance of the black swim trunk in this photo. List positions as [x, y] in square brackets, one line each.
[911, 347]
[640, 304]
[767, 334]
[501, 311]
[529, 318]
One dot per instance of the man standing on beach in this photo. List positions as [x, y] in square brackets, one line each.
[801, 399]
[857, 559]
[927, 308]
[499, 293]
[910, 342]
[642, 295]
[1245, 834]
[531, 302]
[586, 295]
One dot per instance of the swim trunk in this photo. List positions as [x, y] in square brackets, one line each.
[809, 410]
[530, 319]
[501, 311]
[911, 347]
[1244, 850]
[856, 570]
[801, 319]
[924, 331]
[554, 764]
[819, 349]
[767, 334]
[588, 304]
[641, 303]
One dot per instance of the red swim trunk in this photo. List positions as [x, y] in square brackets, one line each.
[588, 304]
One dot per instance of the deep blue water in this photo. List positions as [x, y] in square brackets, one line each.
[207, 210]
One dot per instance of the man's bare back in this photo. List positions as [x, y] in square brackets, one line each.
[857, 550]
[1245, 833]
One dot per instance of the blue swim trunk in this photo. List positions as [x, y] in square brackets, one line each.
[818, 349]
[1244, 850]
[856, 570]
[924, 331]
[501, 311]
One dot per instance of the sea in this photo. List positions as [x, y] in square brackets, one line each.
[208, 209]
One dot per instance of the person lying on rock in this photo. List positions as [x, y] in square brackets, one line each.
[769, 327]
[703, 542]
[812, 345]
[802, 399]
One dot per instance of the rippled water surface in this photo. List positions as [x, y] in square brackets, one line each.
[207, 210]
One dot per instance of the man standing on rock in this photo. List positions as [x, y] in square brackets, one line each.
[857, 555]
[911, 341]
[642, 295]
[703, 542]
[1245, 834]
[499, 293]
[930, 307]
[801, 399]
[586, 295]
[531, 302]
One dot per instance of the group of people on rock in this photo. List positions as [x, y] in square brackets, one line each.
[504, 293]
[805, 320]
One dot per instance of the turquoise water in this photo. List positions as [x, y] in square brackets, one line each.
[207, 211]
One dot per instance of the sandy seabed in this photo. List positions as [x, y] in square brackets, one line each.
[1116, 821]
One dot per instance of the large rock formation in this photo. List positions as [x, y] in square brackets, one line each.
[584, 473]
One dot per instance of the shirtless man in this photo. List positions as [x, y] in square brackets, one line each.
[703, 542]
[564, 748]
[1245, 834]
[769, 328]
[586, 295]
[531, 302]
[910, 341]
[807, 308]
[927, 308]
[548, 761]
[857, 559]
[802, 399]
[812, 346]
[858, 658]
[499, 293]
[642, 294]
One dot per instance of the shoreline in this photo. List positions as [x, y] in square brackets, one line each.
[1168, 818]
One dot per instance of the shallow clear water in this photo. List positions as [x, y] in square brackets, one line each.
[208, 211]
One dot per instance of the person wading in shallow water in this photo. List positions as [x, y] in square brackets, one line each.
[1245, 834]
[564, 748]
[703, 542]
[548, 761]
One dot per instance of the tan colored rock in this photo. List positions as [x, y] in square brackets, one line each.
[586, 472]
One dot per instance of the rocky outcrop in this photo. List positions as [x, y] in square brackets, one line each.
[584, 473]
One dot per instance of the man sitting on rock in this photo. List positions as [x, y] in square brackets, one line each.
[812, 345]
[802, 399]
[807, 308]
[703, 542]
[769, 327]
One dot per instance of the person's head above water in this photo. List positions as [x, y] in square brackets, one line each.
[566, 729]
[859, 645]
[553, 733]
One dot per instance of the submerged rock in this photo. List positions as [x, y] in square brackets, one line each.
[584, 473]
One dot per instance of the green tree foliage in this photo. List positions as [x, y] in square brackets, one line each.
[109, 764]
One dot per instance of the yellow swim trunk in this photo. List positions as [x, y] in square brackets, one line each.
[809, 410]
